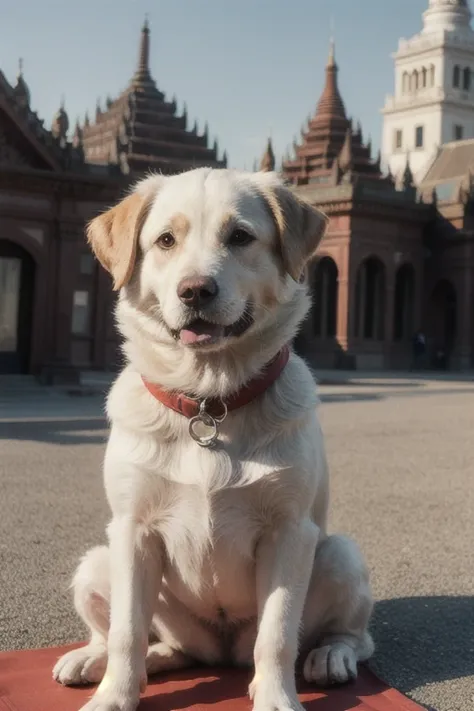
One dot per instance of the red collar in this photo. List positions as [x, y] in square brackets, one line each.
[190, 407]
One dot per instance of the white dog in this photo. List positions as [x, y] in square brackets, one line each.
[215, 469]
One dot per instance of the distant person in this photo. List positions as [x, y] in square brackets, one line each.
[419, 350]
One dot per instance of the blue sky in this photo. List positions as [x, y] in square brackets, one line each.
[248, 67]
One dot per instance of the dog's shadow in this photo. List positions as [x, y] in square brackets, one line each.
[422, 640]
[227, 691]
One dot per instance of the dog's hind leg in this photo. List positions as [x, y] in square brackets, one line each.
[337, 612]
[91, 586]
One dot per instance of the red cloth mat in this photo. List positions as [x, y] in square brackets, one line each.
[26, 684]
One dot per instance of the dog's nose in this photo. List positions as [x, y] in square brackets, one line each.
[197, 292]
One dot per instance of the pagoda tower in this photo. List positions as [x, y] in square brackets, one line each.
[433, 100]
[330, 151]
[140, 130]
[267, 162]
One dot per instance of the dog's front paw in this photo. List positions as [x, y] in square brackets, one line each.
[111, 700]
[85, 665]
[273, 697]
[280, 702]
[331, 664]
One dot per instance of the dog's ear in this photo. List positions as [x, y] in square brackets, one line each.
[300, 226]
[114, 235]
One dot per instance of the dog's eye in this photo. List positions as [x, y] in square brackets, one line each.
[240, 238]
[166, 241]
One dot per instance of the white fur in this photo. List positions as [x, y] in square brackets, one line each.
[222, 554]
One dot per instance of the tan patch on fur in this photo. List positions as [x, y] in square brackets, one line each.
[180, 225]
[228, 222]
[299, 227]
[114, 235]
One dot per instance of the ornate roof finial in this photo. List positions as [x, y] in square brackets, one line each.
[21, 89]
[224, 159]
[332, 54]
[378, 160]
[267, 164]
[77, 137]
[407, 177]
[390, 176]
[86, 119]
[345, 159]
[332, 46]
[60, 125]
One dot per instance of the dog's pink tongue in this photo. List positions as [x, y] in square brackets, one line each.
[199, 332]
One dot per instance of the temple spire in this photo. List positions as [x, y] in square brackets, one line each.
[330, 103]
[267, 163]
[142, 73]
[21, 90]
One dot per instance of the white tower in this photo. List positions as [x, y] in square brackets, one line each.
[434, 89]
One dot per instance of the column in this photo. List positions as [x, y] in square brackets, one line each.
[59, 368]
[389, 313]
[465, 296]
[100, 304]
[345, 305]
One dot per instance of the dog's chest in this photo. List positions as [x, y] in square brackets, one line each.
[227, 521]
[210, 542]
[211, 510]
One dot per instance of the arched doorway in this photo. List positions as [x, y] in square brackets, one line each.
[403, 325]
[370, 300]
[17, 273]
[443, 317]
[325, 298]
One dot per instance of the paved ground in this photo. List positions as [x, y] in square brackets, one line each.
[402, 457]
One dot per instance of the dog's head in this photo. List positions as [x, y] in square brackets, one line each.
[209, 255]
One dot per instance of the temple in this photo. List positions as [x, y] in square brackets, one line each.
[366, 278]
[398, 255]
[331, 150]
[140, 130]
[56, 303]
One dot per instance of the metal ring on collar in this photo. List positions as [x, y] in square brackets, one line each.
[218, 418]
[206, 419]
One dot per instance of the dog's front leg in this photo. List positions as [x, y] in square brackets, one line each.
[136, 569]
[284, 562]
